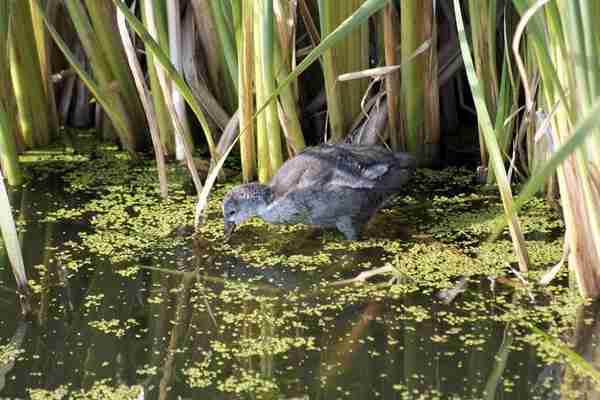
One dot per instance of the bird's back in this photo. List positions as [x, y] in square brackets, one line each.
[327, 182]
[329, 167]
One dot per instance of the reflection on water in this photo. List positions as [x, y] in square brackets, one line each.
[213, 327]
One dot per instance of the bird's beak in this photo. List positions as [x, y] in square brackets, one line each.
[228, 229]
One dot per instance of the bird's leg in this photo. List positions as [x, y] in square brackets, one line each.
[349, 227]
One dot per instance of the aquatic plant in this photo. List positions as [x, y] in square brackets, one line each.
[260, 58]
[10, 241]
[9, 162]
[250, 316]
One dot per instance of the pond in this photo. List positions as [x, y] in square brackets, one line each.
[130, 304]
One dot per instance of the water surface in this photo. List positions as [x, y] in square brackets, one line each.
[129, 304]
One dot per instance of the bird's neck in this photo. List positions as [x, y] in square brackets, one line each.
[267, 210]
[264, 193]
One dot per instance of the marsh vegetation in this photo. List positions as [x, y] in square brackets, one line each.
[123, 124]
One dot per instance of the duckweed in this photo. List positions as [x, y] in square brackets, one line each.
[269, 304]
[101, 390]
[9, 353]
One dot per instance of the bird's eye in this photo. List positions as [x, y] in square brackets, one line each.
[230, 213]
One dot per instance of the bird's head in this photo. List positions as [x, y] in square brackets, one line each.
[242, 203]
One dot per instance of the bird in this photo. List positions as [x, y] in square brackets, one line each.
[330, 185]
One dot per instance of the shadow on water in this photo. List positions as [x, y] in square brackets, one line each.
[203, 323]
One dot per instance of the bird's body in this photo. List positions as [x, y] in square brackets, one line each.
[338, 186]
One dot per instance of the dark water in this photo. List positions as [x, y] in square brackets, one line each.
[219, 329]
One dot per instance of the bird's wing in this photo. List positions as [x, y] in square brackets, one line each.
[360, 167]
[330, 167]
[300, 172]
